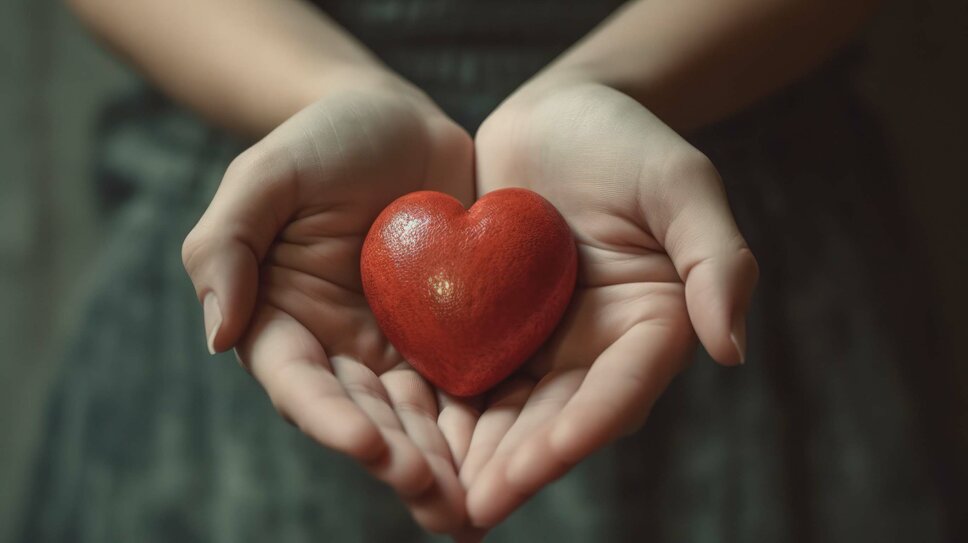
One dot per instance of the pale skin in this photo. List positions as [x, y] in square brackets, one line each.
[274, 259]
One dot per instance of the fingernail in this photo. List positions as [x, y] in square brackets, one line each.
[738, 337]
[213, 319]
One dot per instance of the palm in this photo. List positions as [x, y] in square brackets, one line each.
[351, 157]
[291, 215]
[313, 342]
[627, 331]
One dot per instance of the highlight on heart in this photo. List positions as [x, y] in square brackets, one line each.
[467, 296]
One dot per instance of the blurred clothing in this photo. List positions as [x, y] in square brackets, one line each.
[816, 438]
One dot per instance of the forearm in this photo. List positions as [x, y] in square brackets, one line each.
[245, 64]
[693, 62]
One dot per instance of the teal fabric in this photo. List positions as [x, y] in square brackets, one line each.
[817, 438]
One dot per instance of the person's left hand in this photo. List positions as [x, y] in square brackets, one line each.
[659, 257]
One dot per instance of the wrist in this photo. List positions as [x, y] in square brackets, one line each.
[364, 79]
[544, 86]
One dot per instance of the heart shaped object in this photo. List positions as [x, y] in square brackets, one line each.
[467, 296]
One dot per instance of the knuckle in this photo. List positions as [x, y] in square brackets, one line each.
[254, 158]
[749, 260]
[261, 163]
[365, 388]
[690, 165]
[189, 249]
[412, 406]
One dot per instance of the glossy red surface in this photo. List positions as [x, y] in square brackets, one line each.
[466, 296]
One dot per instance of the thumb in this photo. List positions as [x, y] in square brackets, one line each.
[712, 259]
[223, 252]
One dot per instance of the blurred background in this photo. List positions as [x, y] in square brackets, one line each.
[55, 80]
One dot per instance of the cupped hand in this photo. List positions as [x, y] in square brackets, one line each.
[275, 263]
[660, 261]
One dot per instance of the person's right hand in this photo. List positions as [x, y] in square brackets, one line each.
[275, 263]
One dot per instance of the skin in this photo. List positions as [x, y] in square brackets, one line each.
[300, 204]
[653, 266]
[660, 255]
[339, 136]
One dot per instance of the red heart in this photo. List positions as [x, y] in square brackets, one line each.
[467, 296]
